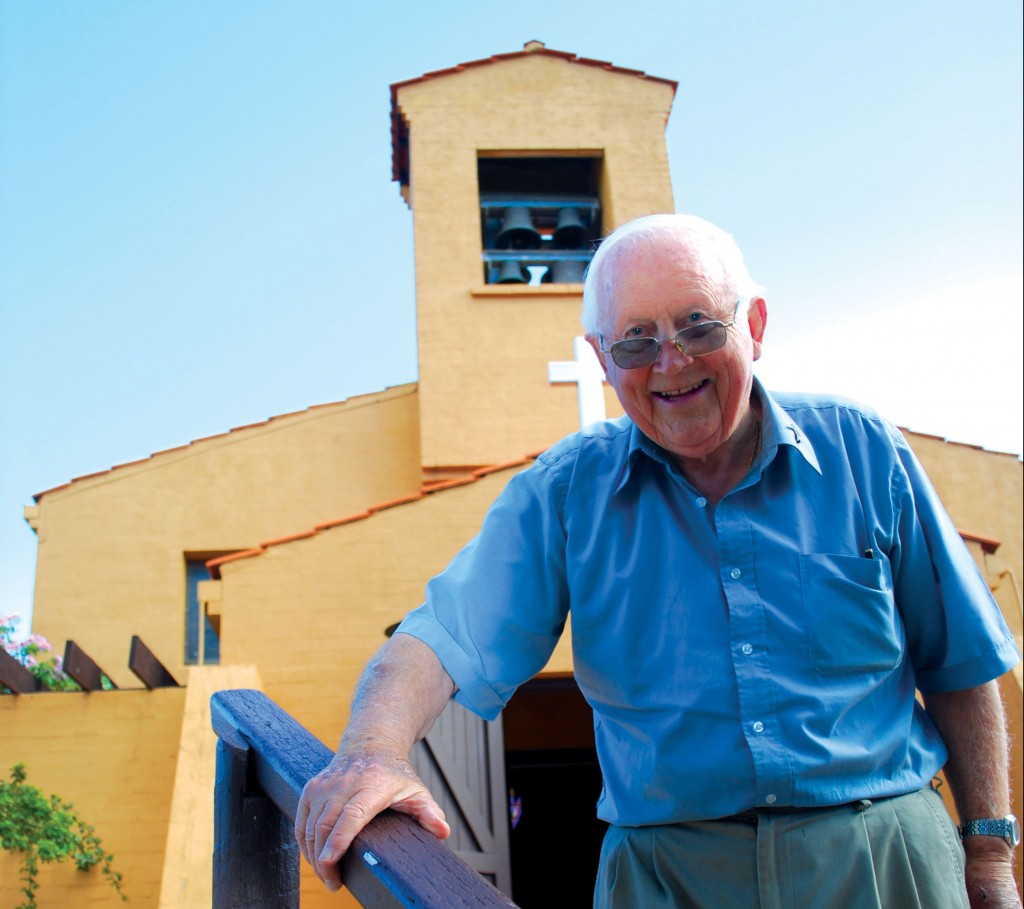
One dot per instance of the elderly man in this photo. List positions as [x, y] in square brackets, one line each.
[758, 584]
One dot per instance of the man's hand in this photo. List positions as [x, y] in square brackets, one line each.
[989, 873]
[399, 696]
[360, 782]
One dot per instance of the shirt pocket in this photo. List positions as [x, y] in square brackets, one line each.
[852, 622]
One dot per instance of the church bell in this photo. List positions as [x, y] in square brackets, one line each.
[570, 232]
[510, 273]
[517, 230]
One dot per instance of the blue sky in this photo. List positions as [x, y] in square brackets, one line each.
[198, 228]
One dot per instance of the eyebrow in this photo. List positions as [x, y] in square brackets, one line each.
[644, 322]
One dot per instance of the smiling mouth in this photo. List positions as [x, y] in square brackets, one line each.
[678, 394]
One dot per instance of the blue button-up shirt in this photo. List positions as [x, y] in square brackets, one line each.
[761, 651]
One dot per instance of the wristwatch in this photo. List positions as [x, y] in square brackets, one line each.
[1006, 828]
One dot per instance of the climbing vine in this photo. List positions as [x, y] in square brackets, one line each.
[46, 829]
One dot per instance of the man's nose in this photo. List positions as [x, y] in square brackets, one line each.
[671, 356]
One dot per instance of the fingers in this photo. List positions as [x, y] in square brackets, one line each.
[339, 802]
[427, 813]
[317, 815]
[333, 833]
[332, 842]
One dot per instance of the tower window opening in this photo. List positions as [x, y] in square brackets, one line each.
[540, 218]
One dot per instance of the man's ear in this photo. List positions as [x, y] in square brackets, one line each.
[595, 343]
[757, 320]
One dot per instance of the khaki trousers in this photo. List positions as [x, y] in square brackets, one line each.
[895, 853]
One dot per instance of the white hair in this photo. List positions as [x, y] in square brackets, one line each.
[708, 243]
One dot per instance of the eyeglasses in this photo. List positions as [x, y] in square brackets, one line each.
[695, 341]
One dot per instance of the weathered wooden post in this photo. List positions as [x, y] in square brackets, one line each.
[255, 856]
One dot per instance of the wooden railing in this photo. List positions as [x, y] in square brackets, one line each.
[264, 758]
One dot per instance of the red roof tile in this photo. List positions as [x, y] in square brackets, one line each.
[988, 544]
[214, 564]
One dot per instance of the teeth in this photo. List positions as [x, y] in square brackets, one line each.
[682, 391]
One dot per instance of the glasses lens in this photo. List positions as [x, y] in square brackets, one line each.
[695, 341]
[635, 352]
[705, 338]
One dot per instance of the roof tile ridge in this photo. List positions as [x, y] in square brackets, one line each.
[446, 71]
[348, 519]
[217, 435]
[568, 56]
[441, 485]
[393, 503]
[288, 538]
[948, 441]
[506, 465]
[214, 564]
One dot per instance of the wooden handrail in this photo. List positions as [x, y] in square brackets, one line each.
[264, 758]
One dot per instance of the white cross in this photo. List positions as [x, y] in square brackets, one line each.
[586, 372]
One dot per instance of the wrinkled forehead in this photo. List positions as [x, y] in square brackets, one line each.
[660, 272]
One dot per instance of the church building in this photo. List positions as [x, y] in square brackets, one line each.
[280, 555]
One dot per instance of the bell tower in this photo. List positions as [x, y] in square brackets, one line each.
[514, 167]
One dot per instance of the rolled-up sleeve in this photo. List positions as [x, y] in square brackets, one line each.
[495, 614]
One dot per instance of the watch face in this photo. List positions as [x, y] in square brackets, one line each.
[1014, 833]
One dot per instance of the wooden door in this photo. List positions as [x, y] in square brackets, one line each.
[462, 762]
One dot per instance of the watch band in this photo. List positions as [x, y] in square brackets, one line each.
[1006, 828]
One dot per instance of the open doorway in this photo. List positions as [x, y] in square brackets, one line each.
[554, 782]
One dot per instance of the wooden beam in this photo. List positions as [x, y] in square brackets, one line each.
[16, 677]
[143, 662]
[82, 668]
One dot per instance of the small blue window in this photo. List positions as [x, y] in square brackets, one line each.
[196, 619]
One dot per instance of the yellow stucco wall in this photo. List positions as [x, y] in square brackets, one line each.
[982, 491]
[111, 547]
[113, 755]
[487, 398]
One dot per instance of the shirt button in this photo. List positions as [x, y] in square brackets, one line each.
[701, 501]
[759, 727]
[747, 649]
[770, 798]
[735, 573]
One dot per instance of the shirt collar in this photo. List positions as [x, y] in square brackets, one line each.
[777, 428]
